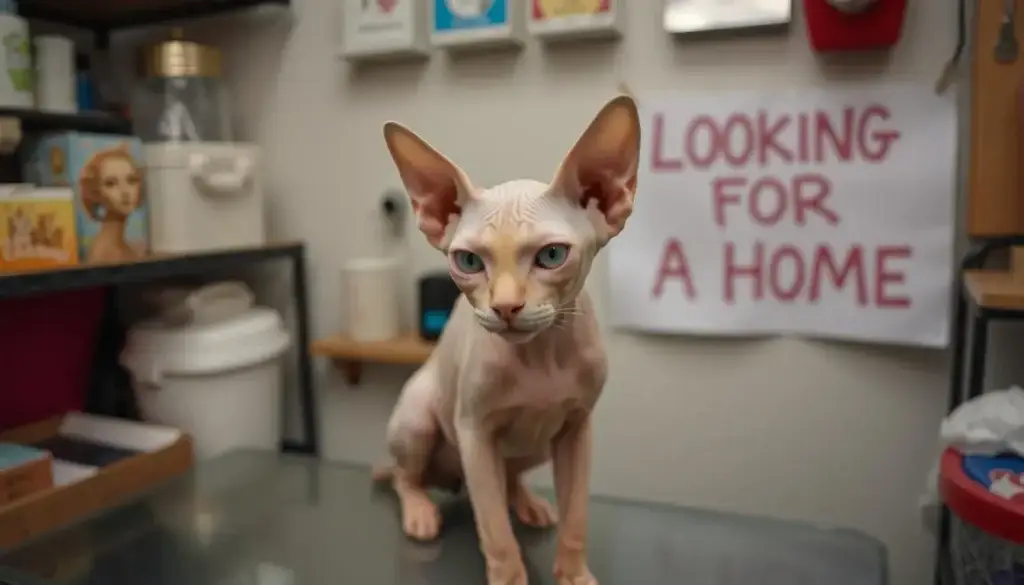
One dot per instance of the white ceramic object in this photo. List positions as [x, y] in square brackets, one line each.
[203, 196]
[554, 20]
[384, 29]
[371, 299]
[477, 24]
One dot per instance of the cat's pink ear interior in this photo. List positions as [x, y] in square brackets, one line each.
[437, 187]
[601, 168]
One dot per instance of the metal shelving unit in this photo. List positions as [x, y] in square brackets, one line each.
[103, 17]
[155, 268]
[97, 122]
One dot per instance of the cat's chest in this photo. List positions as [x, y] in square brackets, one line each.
[530, 405]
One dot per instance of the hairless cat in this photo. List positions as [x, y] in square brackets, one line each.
[520, 365]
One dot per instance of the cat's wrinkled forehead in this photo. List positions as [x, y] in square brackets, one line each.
[522, 207]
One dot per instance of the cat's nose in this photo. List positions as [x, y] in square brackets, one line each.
[507, 311]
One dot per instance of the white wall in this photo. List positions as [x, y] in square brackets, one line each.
[818, 431]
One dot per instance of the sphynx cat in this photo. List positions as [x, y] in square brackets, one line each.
[520, 365]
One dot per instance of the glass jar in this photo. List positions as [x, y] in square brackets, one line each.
[181, 96]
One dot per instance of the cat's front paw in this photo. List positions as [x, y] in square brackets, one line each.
[533, 510]
[506, 573]
[569, 571]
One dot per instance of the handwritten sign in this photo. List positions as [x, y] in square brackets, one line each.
[825, 213]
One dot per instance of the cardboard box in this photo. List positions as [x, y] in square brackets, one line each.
[107, 176]
[110, 486]
[37, 228]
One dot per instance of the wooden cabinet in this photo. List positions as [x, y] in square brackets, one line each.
[995, 194]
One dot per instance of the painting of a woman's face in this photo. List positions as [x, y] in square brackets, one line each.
[120, 185]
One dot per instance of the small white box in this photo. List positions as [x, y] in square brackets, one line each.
[384, 29]
[554, 20]
[469, 24]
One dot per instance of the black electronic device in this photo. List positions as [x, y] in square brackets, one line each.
[437, 297]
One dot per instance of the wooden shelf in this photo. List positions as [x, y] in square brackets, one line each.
[995, 289]
[350, 355]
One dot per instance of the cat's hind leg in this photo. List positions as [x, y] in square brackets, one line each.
[412, 438]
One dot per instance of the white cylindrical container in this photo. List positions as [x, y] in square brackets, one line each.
[371, 298]
[16, 60]
[204, 196]
[216, 376]
[55, 74]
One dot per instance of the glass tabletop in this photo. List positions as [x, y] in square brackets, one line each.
[252, 518]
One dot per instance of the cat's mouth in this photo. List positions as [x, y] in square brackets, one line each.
[510, 332]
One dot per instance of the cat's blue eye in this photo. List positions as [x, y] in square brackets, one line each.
[552, 256]
[467, 262]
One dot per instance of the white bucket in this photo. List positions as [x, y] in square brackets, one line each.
[216, 375]
[371, 299]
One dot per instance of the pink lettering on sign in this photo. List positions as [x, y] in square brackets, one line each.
[774, 172]
[674, 266]
[768, 200]
[788, 273]
[761, 139]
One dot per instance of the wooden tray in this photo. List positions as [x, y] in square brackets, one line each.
[113, 485]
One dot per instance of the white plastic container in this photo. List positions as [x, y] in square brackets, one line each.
[203, 196]
[211, 366]
[55, 74]
[16, 84]
[371, 298]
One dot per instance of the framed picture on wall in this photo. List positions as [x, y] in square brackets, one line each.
[475, 22]
[382, 28]
[556, 19]
[695, 16]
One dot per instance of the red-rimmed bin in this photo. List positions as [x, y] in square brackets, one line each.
[985, 497]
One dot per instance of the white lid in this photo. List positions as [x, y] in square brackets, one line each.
[157, 348]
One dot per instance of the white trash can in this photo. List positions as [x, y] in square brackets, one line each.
[211, 366]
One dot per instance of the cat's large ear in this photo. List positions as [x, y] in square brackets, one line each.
[600, 170]
[437, 187]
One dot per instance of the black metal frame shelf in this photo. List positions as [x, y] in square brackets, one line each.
[161, 267]
[105, 16]
[970, 334]
[40, 121]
